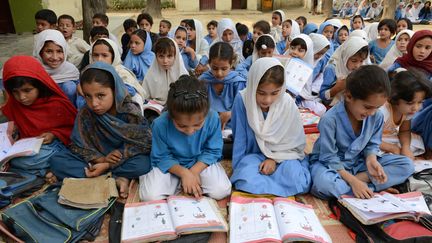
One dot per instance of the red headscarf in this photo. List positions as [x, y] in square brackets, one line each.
[54, 114]
[407, 60]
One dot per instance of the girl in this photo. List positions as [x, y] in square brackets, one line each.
[222, 83]
[357, 23]
[188, 54]
[403, 24]
[398, 49]
[408, 90]
[278, 17]
[228, 33]
[264, 47]
[348, 57]
[290, 30]
[344, 158]
[197, 44]
[345, 10]
[341, 36]
[166, 69]
[140, 55]
[302, 22]
[373, 11]
[110, 133]
[259, 28]
[418, 54]
[379, 47]
[425, 14]
[38, 108]
[268, 135]
[51, 49]
[187, 147]
[327, 30]
[302, 47]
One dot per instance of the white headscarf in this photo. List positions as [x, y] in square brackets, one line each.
[359, 33]
[319, 42]
[372, 31]
[255, 55]
[309, 56]
[236, 42]
[66, 71]
[157, 80]
[276, 31]
[201, 45]
[280, 136]
[394, 52]
[125, 74]
[295, 29]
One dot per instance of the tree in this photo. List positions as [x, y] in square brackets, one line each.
[153, 8]
[389, 9]
[89, 8]
[327, 8]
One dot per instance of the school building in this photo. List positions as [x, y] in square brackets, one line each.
[263, 5]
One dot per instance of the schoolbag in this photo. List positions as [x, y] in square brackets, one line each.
[13, 185]
[42, 219]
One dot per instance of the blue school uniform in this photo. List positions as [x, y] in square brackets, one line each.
[171, 147]
[247, 157]
[208, 39]
[139, 64]
[422, 124]
[280, 46]
[329, 79]
[188, 62]
[378, 52]
[243, 68]
[338, 147]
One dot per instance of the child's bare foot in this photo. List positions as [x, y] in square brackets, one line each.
[428, 154]
[50, 178]
[363, 176]
[392, 190]
[123, 186]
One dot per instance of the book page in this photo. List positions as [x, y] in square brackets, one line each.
[309, 118]
[5, 138]
[414, 201]
[253, 220]
[298, 222]
[192, 215]
[420, 165]
[25, 147]
[376, 204]
[153, 105]
[297, 73]
[146, 220]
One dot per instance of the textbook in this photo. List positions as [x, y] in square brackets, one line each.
[163, 220]
[277, 220]
[384, 206]
[10, 149]
[153, 106]
[297, 74]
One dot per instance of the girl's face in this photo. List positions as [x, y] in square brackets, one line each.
[267, 93]
[166, 60]
[191, 33]
[355, 62]
[52, 54]
[102, 53]
[228, 36]
[189, 123]
[328, 32]
[180, 38]
[297, 51]
[212, 30]
[384, 32]
[401, 25]
[422, 49]
[402, 43]
[301, 24]
[357, 24]
[136, 44]
[276, 20]
[342, 35]
[99, 98]
[360, 109]
[145, 25]
[220, 68]
[409, 108]
[27, 94]
[286, 29]
[268, 52]
[319, 54]
[256, 33]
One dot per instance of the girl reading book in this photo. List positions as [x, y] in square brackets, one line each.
[38, 108]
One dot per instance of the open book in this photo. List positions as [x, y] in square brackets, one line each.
[163, 220]
[10, 149]
[153, 106]
[277, 220]
[297, 73]
[310, 121]
[385, 206]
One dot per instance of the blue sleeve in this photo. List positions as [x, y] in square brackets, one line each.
[161, 155]
[280, 46]
[329, 78]
[328, 153]
[243, 68]
[131, 90]
[192, 63]
[204, 60]
[319, 67]
[212, 148]
[374, 143]
[393, 67]
[239, 125]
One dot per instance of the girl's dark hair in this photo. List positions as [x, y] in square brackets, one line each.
[129, 23]
[104, 42]
[366, 81]
[242, 29]
[213, 22]
[287, 21]
[406, 83]
[190, 23]
[18, 81]
[99, 76]
[265, 40]
[187, 95]
[274, 75]
[358, 16]
[303, 19]
[363, 52]
[180, 28]
[141, 34]
[408, 21]
[344, 27]
[221, 50]
[278, 14]
[263, 25]
[164, 46]
[145, 16]
[299, 42]
[390, 23]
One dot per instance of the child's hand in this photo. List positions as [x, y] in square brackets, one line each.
[267, 167]
[376, 171]
[191, 183]
[96, 169]
[200, 69]
[79, 90]
[405, 150]
[47, 137]
[360, 189]
[114, 157]
[394, 149]
[224, 117]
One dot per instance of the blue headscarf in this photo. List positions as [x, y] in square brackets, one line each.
[310, 28]
[323, 25]
[95, 136]
[139, 64]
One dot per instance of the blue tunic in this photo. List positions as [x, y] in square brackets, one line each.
[188, 62]
[243, 67]
[171, 147]
[280, 46]
[422, 124]
[329, 79]
[247, 157]
[338, 147]
[378, 52]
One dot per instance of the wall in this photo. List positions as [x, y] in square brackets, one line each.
[188, 5]
[23, 12]
[71, 7]
[223, 4]
[283, 4]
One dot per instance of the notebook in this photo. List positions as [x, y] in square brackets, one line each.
[297, 73]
